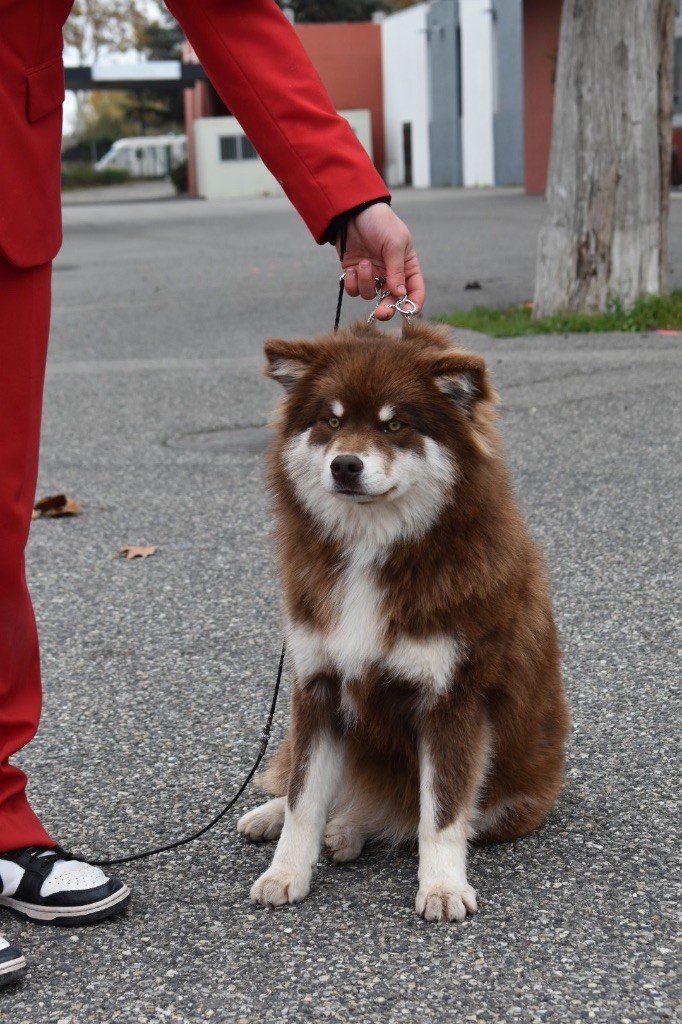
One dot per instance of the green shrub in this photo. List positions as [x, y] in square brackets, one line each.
[85, 176]
[179, 175]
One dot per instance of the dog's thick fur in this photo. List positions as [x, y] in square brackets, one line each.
[427, 700]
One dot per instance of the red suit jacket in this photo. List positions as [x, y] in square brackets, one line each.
[256, 62]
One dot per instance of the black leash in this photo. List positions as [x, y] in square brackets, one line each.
[264, 738]
[265, 734]
[343, 232]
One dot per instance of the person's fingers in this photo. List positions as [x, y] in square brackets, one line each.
[351, 282]
[395, 271]
[416, 289]
[383, 312]
[412, 287]
[366, 279]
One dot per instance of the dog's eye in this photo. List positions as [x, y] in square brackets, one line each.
[334, 422]
[394, 426]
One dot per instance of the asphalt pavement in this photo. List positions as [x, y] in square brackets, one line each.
[158, 673]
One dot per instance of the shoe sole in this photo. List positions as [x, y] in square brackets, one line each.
[12, 970]
[69, 917]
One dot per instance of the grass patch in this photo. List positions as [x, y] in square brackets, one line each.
[650, 313]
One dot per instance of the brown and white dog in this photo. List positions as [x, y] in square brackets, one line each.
[427, 700]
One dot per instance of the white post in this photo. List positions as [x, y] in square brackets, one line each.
[478, 99]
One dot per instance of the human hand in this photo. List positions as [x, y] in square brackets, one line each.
[378, 244]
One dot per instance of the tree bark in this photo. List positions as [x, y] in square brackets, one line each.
[605, 232]
[666, 71]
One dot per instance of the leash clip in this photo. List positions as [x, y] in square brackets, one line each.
[400, 307]
[406, 307]
[381, 294]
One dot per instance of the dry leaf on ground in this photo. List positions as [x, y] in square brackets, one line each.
[54, 506]
[133, 552]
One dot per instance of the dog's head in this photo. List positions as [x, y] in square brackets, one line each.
[375, 428]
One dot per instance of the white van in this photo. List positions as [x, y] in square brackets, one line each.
[147, 156]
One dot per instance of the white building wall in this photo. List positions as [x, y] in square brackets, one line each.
[218, 178]
[223, 179]
[406, 93]
[478, 91]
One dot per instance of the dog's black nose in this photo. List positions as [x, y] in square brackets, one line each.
[346, 470]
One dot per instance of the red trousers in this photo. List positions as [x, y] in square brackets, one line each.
[24, 328]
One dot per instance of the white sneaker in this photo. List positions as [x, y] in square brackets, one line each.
[49, 886]
[12, 963]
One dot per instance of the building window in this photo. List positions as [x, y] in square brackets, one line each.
[236, 147]
[248, 152]
[228, 147]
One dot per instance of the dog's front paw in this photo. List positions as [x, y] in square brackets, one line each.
[446, 902]
[264, 822]
[279, 886]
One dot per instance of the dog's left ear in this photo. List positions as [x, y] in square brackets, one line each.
[288, 361]
[463, 378]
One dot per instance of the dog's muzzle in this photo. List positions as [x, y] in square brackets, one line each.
[346, 473]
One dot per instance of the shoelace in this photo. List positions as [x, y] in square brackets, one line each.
[44, 853]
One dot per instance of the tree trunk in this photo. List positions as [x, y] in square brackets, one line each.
[605, 231]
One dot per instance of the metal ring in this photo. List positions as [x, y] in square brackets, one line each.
[381, 295]
[399, 306]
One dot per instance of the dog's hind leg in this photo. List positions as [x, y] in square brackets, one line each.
[264, 822]
[344, 838]
[365, 811]
[511, 819]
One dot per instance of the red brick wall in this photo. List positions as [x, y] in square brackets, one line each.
[541, 20]
[347, 58]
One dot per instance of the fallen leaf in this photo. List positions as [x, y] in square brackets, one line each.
[132, 552]
[54, 506]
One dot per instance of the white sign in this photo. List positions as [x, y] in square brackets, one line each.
[153, 70]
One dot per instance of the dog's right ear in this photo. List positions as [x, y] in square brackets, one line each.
[288, 361]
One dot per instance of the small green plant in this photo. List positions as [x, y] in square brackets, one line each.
[85, 176]
[179, 175]
[649, 313]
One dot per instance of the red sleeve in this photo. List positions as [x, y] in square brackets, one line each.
[256, 62]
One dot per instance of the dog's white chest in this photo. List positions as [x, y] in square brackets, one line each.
[356, 640]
